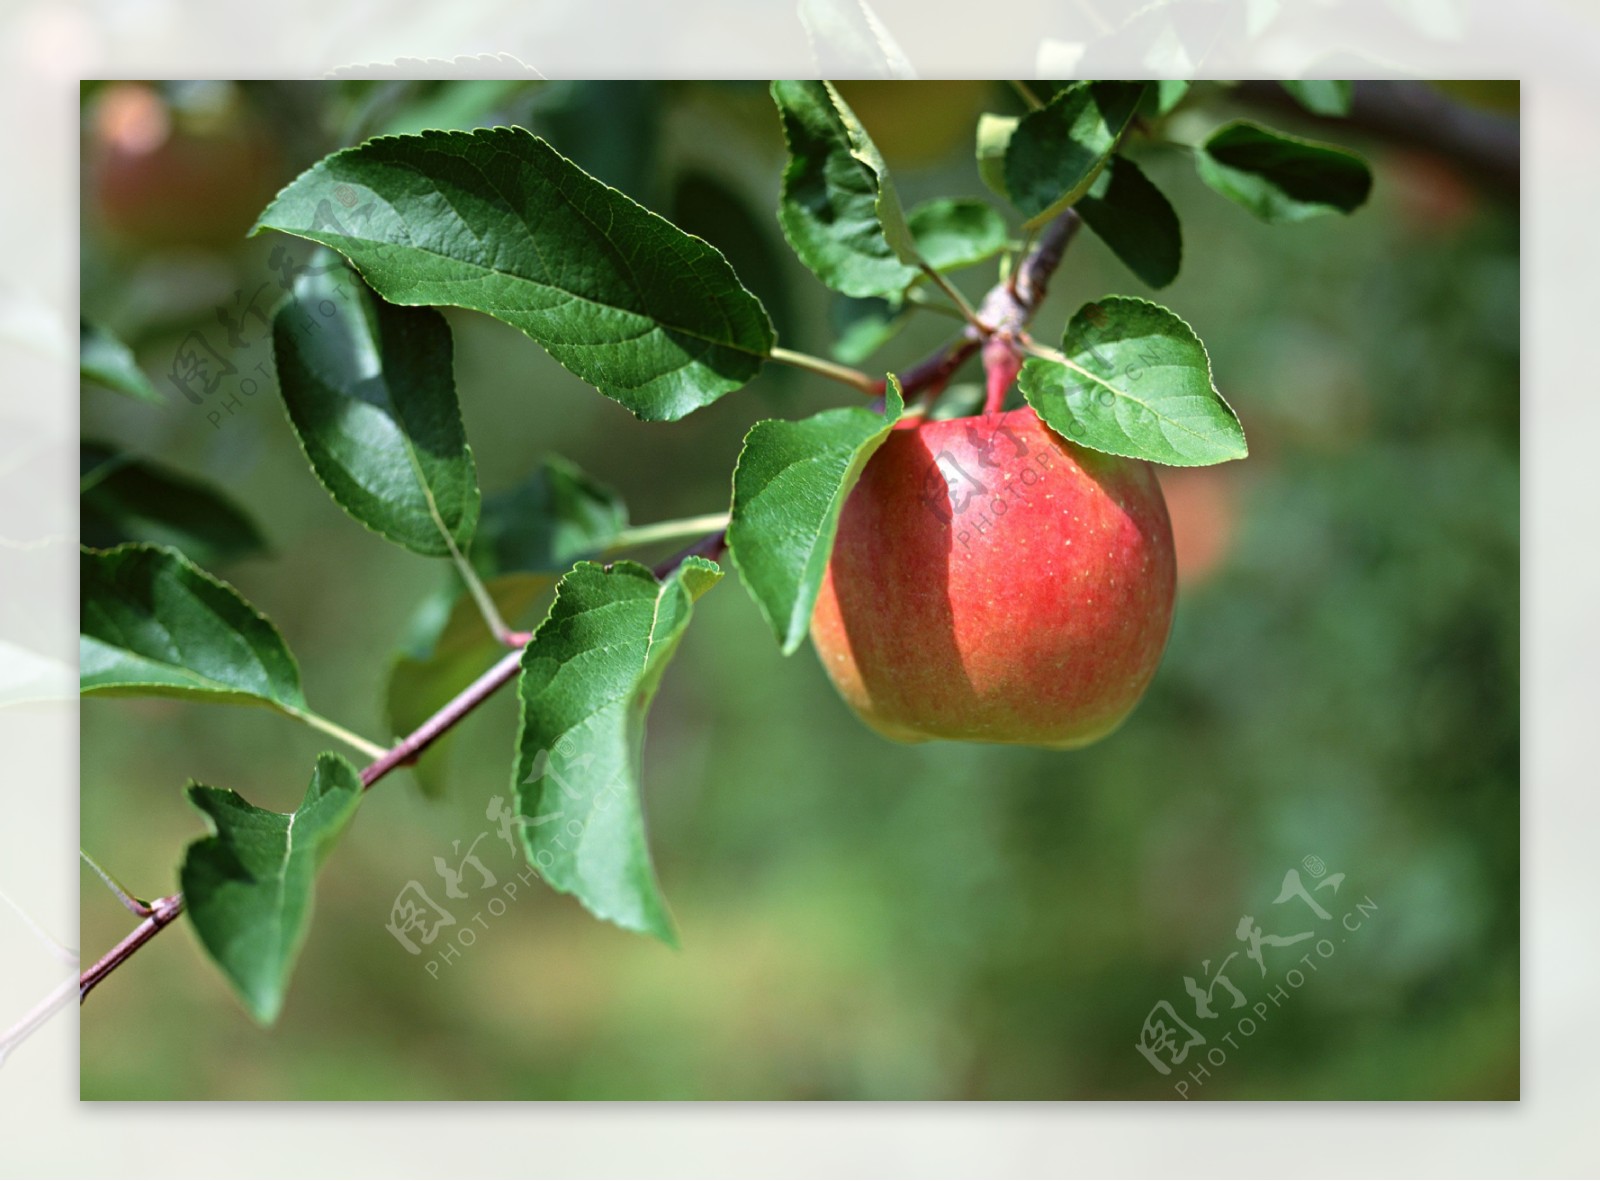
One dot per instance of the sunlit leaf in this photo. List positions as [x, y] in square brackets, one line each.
[498, 221]
[1056, 151]
[839, 209]
[1137, 382]
[788, 489]
[588, 677]
[155, 624]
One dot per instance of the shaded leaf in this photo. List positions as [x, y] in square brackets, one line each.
[1321, 96]
[788, 489]
[556, 516]
[954, 233]
[839, 209]
[1281, 178]
[1133, 218]
[248, 888]
[739, 222]
[105, 360]
[124, 498]
[371, 396]
[154, 624]
[1056, 151]
[498, 221]
[1138, 384]
[588, 677]
[862, 326]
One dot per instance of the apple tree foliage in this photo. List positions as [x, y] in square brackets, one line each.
[499, 221]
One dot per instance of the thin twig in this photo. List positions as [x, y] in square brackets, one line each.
[1025, 92]
[60, 950]
[164, 910]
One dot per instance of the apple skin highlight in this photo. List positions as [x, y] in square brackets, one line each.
[993, 582]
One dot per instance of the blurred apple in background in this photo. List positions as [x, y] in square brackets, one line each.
[1203, 505]
[180, 164]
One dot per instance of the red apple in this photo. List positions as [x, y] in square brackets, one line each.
[993, 582]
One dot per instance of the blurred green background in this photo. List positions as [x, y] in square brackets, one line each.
[861, 919]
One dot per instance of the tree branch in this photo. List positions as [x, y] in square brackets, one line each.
[1006, 310]
[407, 750]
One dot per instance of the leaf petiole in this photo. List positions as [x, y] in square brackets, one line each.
[480, 593]
[317, 721]
[967, 312]
[668, 531]
[849, 376]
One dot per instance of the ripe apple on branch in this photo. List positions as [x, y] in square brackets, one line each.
[1004, 576]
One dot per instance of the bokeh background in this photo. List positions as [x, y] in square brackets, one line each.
[861, 919]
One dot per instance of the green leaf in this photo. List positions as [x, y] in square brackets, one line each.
[124, 498]
[1056, 151]
[839, 209]
[1135, 220]
[154, 624]
[1137, 383]
[498, 221]
[862, 326]
[955, 233]
[105, 360]
[788, 489]
[446, 657]
[554, 517]
[1167, 94]
[370, 393]
[588, 677]
[1281, 178]
[1322, 97]
[248, 888]
[994, 137]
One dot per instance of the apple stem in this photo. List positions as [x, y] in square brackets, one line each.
[1001, 363]
[1005, 312]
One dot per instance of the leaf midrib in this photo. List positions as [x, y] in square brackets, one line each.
[1120, 393]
